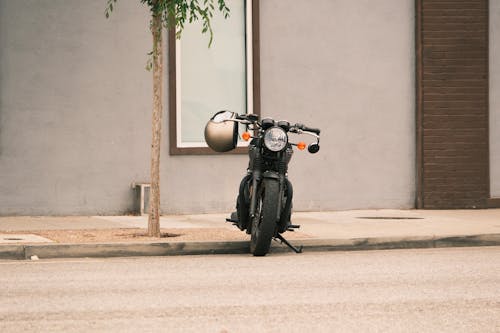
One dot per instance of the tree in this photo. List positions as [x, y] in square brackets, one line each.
[170, 14]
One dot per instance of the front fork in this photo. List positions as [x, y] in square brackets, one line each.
[254, 194]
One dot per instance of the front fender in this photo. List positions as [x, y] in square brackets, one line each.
[276, 177]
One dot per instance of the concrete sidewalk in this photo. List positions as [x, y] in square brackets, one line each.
[338, 230]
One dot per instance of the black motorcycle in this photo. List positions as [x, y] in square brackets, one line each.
[264, 202]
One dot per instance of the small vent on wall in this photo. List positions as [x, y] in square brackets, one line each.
[142, 197]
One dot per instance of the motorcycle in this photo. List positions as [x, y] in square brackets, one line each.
[264, 201]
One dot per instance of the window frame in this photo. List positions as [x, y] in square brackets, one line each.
[174, 149]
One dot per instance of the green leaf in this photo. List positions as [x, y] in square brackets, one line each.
[175, 13]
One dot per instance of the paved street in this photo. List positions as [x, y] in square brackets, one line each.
[445, 290]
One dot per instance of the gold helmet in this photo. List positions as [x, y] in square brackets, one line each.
[221, 133]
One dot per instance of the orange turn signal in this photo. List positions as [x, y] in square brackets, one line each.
[246, 136]
[301, 145]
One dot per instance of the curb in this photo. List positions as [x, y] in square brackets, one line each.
[388, 243]
[50, 251]
[104, 250]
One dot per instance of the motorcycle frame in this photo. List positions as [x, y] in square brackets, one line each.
[258, 174]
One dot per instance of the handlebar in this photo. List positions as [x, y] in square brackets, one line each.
[308, 129]
[253, 118]
[249, 116]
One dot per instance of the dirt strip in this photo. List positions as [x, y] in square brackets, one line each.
[140, 235]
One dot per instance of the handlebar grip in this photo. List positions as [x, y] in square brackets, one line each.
[248, 116]
[310, 129]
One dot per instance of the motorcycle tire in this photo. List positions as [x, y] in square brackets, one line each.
[264, 224]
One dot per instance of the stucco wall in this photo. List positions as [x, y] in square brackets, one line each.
[495, 98]
[348, 68]
[75, 105]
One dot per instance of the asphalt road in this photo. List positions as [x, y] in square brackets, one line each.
[434, 290]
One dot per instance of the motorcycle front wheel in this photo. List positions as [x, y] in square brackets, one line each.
[264, 223]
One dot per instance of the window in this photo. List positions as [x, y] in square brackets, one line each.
[205, 80]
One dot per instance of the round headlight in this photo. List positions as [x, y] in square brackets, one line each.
[275, 139]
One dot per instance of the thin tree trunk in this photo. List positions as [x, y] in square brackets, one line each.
[154, 215]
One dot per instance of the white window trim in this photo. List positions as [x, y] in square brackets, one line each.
[249, 82]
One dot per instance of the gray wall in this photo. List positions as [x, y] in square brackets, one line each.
[495, 98]
[75, 105]
[347, 67]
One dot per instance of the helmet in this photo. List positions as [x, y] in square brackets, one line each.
[221, 134]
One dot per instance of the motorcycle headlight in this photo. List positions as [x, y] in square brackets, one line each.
[275, 139]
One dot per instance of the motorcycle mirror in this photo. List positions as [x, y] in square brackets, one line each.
[313, 148]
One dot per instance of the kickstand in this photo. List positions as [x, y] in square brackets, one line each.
[283, 240]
